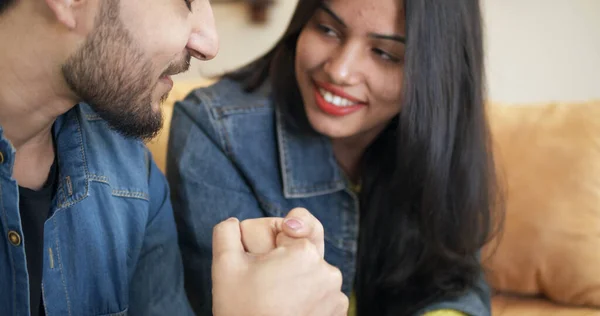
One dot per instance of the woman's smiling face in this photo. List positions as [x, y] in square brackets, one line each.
[349, 66]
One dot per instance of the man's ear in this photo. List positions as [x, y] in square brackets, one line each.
[65, 11]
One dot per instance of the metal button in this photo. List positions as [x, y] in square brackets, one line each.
[14, 238]
[1, 157]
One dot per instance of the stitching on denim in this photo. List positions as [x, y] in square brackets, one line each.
[121, 192]
[62, 276]
[131, 194]
[60, 194]
[97, 178]
[147, 160]
[82, 150]
[319, 188]
[356, 227]
[283, 159]
[68, 204]
[232, 110]
[69, 185]
[212, 105]
[44, 298]
[93, 117]
[214, 108]
[121, 313]
[225, 139]
[51, 257]
[12, 259]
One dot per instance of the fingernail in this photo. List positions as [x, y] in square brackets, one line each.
[293, 223]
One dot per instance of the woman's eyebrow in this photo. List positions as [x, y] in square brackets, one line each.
[393, 37]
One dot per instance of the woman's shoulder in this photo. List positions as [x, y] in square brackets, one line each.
[227, 97]
[225, 113]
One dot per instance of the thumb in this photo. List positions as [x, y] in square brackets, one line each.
[227, 240]
[300, 223]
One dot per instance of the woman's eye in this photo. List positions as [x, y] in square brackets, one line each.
[385, 56]
[327, 30]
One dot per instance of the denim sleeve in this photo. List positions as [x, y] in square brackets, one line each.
[475, 302]
[206, 189]
[157, 284]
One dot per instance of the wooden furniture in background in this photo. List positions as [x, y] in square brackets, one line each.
[257, 8]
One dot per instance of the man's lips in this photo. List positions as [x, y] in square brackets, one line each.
[167, 80]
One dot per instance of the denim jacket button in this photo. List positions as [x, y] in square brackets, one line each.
[14, 238]
[1, 158]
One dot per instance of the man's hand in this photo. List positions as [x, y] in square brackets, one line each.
[261, 235]
[290, 279]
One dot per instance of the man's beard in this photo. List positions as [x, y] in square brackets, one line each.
[112, 75]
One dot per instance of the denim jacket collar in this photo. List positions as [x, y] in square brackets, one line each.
[8, 156]
[74, 179]
[308, 166]
[73, 176]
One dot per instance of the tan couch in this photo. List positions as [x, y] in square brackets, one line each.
[524, 136]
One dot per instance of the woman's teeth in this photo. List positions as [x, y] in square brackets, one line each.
[335, 99]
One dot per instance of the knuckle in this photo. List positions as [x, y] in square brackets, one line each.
[299, 211]
[343, 304]
[335, 276]
[303, 245]
[319, 227]
[222, 226]
[304, 214]
[306, 249]
[246, 222]
[247, 225]
[309, 249]
[343, 300]
[218, 229]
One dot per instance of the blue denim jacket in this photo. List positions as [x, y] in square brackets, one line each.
[231, 154]
[110, 244]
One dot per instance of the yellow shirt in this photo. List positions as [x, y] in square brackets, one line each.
[441, 312]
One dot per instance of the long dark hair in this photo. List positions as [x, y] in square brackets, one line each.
[429, 201]
[5, 4]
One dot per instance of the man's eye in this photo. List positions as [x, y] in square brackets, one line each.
[188, 3]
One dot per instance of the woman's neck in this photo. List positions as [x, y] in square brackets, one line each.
[349, 152]
[348, 158]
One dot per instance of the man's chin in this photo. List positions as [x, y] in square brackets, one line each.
[144, 134]
[159, 98]
[135, 126]
[157, 105]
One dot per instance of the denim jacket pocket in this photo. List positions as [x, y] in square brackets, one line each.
[121, 313]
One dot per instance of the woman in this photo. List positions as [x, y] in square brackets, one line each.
[370, 114]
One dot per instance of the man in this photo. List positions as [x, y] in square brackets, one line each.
[86, 222]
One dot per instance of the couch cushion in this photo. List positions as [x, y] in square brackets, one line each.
[158, 145]
[549, 158]
[503, 305]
